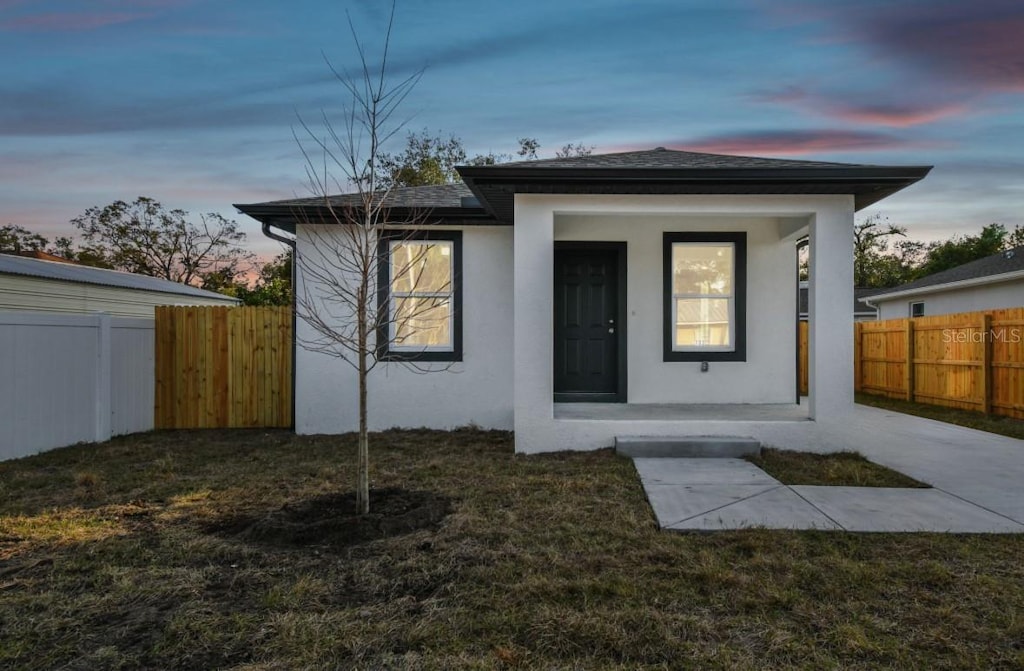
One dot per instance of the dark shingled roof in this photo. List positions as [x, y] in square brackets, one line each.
[655, 171]
[674, 172]
[441, 204]
[859, 306]
[444, 195]
[670, 159]
[1008, 261]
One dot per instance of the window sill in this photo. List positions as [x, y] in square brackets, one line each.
[696, 356]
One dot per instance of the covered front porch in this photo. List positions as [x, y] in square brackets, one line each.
[615, 286]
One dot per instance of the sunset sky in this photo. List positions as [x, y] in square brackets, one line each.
[193, 102]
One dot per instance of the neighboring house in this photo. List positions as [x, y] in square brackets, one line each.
[617, 294]
[990, 283]
[52, 286]
[862, 311]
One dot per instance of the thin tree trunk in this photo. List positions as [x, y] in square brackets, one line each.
[363, 466]
[363, 487]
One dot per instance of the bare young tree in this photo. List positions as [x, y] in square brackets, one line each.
[350, 240]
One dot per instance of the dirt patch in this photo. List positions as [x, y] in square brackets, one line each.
[331, 520]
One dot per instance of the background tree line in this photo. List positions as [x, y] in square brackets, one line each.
[885, 257]
[146, 238]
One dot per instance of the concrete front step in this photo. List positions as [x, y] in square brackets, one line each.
[729, 447]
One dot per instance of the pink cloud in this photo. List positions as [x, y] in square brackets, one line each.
[895, 116]
[965, 46]
[882, 113]
[793, 143]
[978, 51]
[68, 22]
[105, 13]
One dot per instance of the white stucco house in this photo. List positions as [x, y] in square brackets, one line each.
[991, 283]
[640, 293]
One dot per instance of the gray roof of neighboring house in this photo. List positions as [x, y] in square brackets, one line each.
[70, 272]
[859, 306]
[1009, 261]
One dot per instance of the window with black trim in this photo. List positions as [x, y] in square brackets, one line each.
[705, 285]
[917, 309]
[419, 296]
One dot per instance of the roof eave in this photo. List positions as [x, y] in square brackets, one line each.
[519, 173]
[285, 217]
[868, 184]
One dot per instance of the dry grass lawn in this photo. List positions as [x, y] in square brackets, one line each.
[836, 469]
[138, 553]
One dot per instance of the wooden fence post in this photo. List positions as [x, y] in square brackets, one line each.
[986, 364]
[908, 369]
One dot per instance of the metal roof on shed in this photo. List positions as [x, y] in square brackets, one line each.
[70, 272]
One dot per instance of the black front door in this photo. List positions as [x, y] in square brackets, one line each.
[587, 328]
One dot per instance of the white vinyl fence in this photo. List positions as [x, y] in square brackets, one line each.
[67, 378]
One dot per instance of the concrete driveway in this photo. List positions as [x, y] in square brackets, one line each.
[977, 480]
[984, 468]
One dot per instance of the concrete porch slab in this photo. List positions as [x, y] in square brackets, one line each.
[684, 412]
[690, 447]
[709, 471]
[779, 508]
[889, 509]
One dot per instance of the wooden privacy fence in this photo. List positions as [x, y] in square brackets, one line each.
[219, 367]
[970, 360]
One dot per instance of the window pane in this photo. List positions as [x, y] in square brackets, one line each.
[422, 322]
[421, 266]
[702, 268]
[702, 322]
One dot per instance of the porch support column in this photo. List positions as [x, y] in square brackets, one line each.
[830, 308]
[533, 280]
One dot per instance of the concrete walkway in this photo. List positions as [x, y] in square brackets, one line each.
[977, 479]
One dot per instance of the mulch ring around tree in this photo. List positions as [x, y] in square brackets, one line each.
[331, 520]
